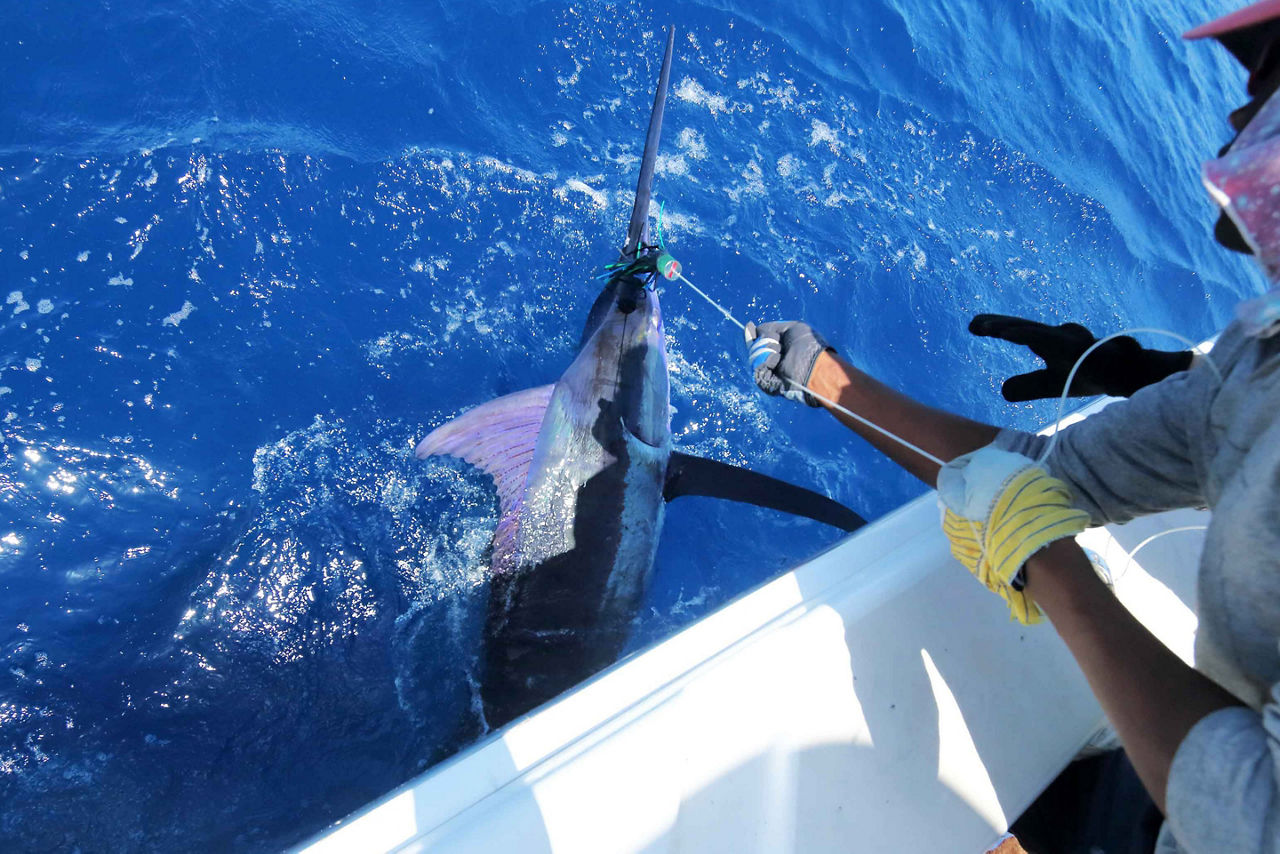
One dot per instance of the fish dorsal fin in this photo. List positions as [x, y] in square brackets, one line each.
[689, 475]
[497, 437]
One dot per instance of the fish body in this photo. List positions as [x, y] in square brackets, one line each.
[584, 469]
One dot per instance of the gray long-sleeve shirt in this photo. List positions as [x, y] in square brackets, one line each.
[1192, 441]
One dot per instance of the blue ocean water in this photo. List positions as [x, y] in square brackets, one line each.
[252, 251]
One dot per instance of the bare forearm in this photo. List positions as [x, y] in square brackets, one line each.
[941, 433]
[1149, 694]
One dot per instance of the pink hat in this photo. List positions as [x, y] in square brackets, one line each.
[1251, 15]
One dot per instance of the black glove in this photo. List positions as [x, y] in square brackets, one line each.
[784, 350]
[1118, 368]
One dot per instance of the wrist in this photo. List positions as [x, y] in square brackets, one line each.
[829, 376]
[1145, 367]
[1060, 577]
[1164, 363]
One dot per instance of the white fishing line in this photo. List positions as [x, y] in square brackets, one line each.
[1066, 388]
[855, 416]
[1062, 401]
[717, 305]
[1140, 546]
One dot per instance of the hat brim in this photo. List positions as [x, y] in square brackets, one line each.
[1241, 19]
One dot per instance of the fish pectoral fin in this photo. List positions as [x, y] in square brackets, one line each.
[689, 475]
[497, 437]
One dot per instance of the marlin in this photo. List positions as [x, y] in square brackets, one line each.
[584, 468]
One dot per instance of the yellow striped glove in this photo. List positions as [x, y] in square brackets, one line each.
[999, 509]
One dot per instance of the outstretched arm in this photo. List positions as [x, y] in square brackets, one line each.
[941, 433]
[788, 357]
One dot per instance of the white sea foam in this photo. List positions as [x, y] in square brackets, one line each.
[918, 258]
[692, 91]
[671, 165]
[83, 256]
[753, 175]
[119, 279]
[787, 165]
[19, 304]
[821, 133]
[479, 316]
[179, 315]
[692, 143]
[389, 347]
[430, 266]
[505, 168]
[576, 185]
[679, 222]
[572, 79]
[44, 306]
[33, 365]
[696, 604]
[61, 481]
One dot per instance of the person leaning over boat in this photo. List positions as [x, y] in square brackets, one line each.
[1206, 741]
